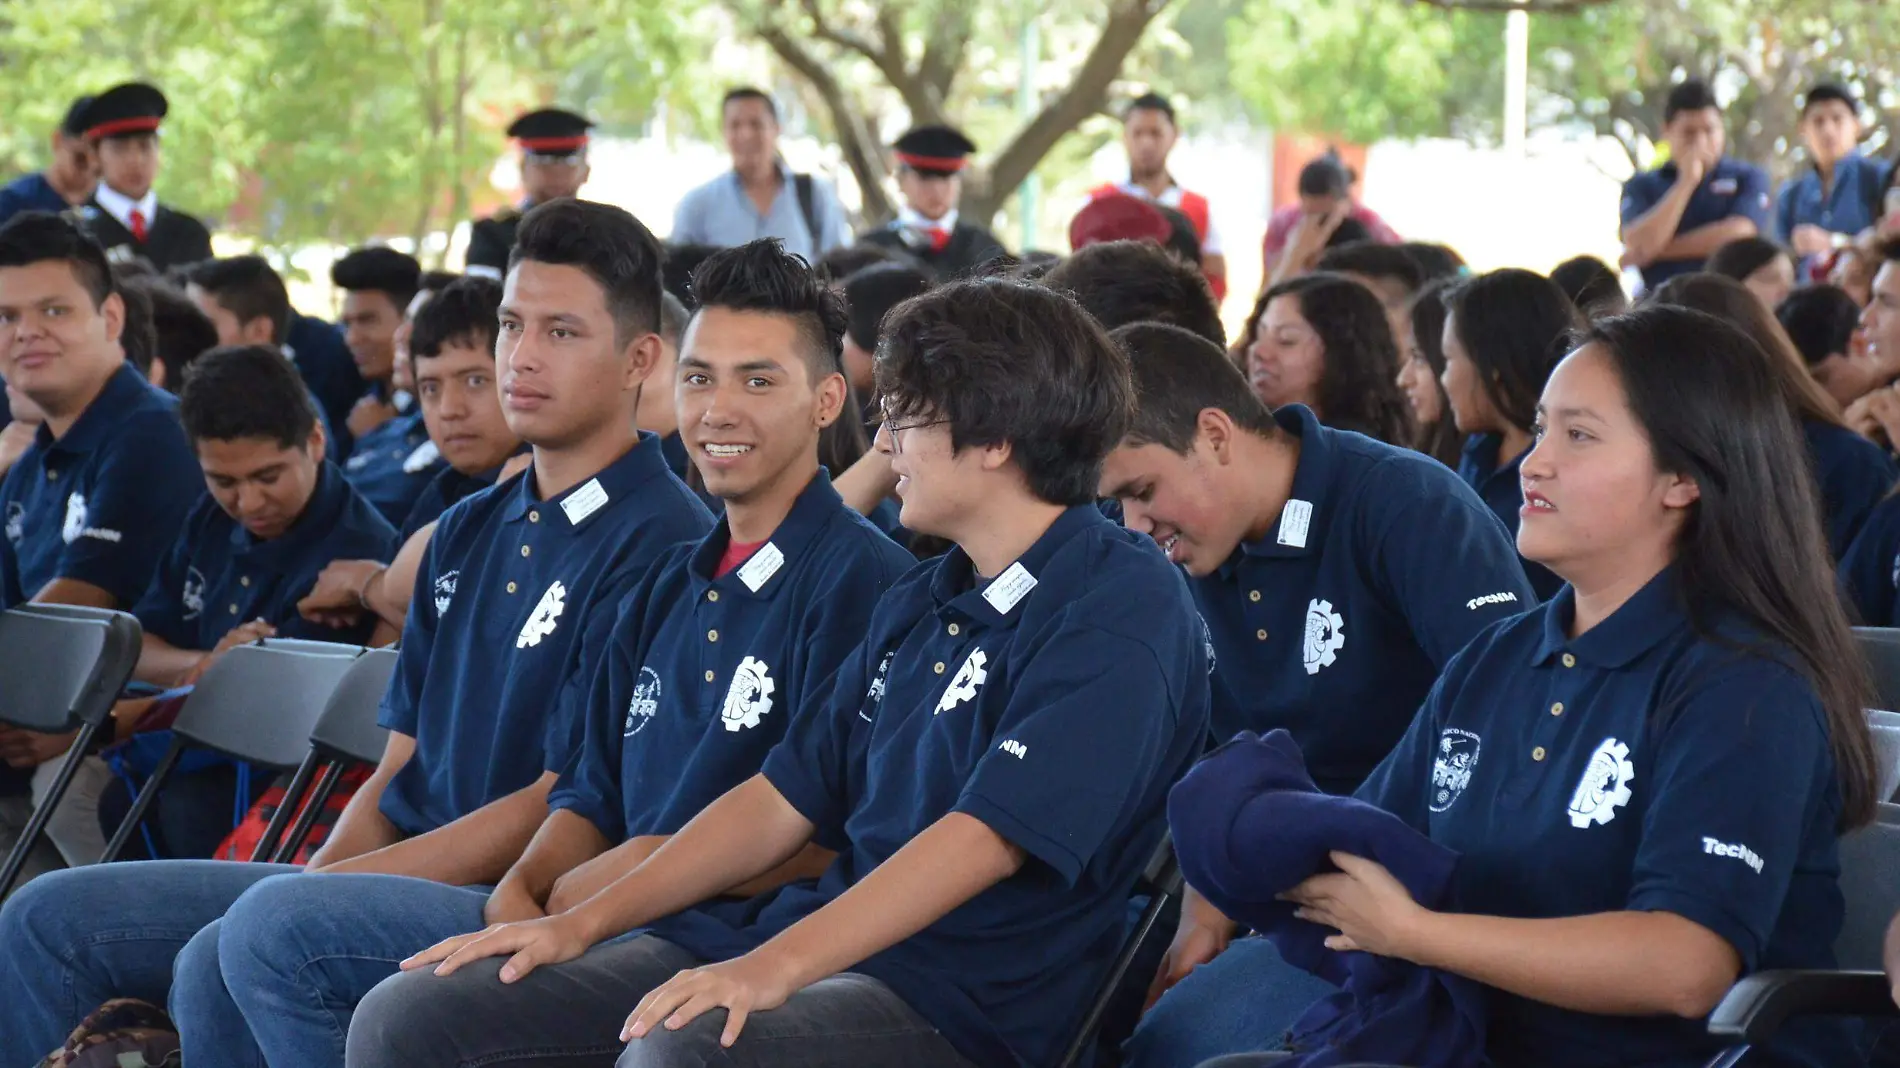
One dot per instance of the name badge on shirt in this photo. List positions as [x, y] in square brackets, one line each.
[1724, 187]
[1295, 518]
[759, 570]
[584, 502]
[1010, 588]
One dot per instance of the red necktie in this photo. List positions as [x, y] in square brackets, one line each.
[138, 226]
[939, 238]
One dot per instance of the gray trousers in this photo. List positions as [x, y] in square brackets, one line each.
[570, 1015]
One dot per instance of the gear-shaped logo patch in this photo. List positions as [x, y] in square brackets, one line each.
[75, 518]
[1605, 786]
[546, 617]
[1325, 635]
[964, 686]
[749, 697]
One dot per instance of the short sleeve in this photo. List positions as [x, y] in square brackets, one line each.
[1639, 196]
[1753, 197]
[1088, 720]
[135, 505]
[158, 609]
[400, 709]
[589, 785]
[1737, 776]
[570, 712]
[822, 755]
[1461, 580]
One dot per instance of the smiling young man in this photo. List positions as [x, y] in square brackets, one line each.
[514, 578]
[1337, 576]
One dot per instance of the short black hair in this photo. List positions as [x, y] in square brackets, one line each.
[676, 272]
[1374, 260]
[246, 391]
[1017, 363]
[843, 262]
[1179, 374]
[436, 281]
[1325, 177]
[1826, 91]
[1150, 102]
[39, 237]
[674, 316]
[137, 338]
[1435, 261]
[1591, 285]
[1036, 263]
[181, 330]
[379, 269]
[1122, 282]
[1744, 256]
[247, 287]
[1820, 320]
[760, 276]
[615, 249]
[1692, 95]
[461, 313]
[870, 294]
[1516, 326]
[747, 92]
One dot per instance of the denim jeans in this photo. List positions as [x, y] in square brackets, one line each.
[1242, 1001]
[571, 1015]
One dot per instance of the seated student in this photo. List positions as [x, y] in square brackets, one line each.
[23, 425]
[1671, 824]
[1852, 472]
[1324, 341]
[1337, 576]
[182, 333]
[869, 296]
[1758, 263]
[276, 513]
[1388, 270]
[1504, 333]
[991, 767]
[393, 458]
[515, 577]
[246, 301]
[1591, 286]
[770, 603]
[96, 500]
[655, 413]
[1421, 376]
[1821, 321]
[1122, 282]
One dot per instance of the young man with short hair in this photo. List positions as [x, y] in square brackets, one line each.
[760, 196]
[245, 299]
[1831, 200]
[929, 227]
[1337, 576]
[124, 214]
[393, 458]
[67, 182]
[991, 766]
[1675, 216]
[1149, 134]
[515, 578]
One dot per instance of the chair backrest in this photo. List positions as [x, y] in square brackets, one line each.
[61, 666]
[1886, 759]
[259, 703]
[348, 725]
[1880, 648]
[1881, 718]
[1870, 881]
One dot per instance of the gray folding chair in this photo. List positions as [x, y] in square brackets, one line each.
[347, 733]
[61, 669]
[1886, 739]
[1880, 648]
[1161, 881]
[258, 703]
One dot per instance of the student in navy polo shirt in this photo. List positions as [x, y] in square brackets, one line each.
[1504, 333]
[99, 496]
[68, 180]
[1337, 575]
[1644, 778]
[1675, 216]
[393, 458]
[990, 766]
[1831, 200]
[515, 577]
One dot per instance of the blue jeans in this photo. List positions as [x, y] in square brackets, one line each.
[76, 938]
[1242, 1001]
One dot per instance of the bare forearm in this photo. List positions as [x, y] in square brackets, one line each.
[1198, 911]
[810, 863]
[564, 842]
[75, 592]
[1645, 237]
[389, 595]
[1701, 242]
[161, 663]
[478, 848]
[362, 828]
[865, 484]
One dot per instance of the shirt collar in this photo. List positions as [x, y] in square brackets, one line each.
[591, 497]
[1654, 613]
[1847, 167]
[815, 507]
[319, 519]
[955, 588]
[909, 219]
[119, 206]
[122, 391]
[1300, 527]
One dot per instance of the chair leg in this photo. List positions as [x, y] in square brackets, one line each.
[307, 819]
[143, 803]
[293, 796]
[1092, 1022]
[43, 812]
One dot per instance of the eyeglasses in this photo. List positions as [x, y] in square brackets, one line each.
[897, 444]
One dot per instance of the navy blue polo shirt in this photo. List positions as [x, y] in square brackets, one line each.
[703, 674]
[1056, 704]
[103, 504]
[1730, 188]
[391, 465]
[1854, 474]
[1638, 767]
[448, 487]
[1501, 491]
[507, 589]
[1334, 624]
[1847, 208]
[30, 192]
[324, 361]
[1870, 569]
[218, 575]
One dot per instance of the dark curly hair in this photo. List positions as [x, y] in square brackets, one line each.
[1359, 389]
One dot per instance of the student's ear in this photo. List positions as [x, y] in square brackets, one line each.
[1680, 491]
[113, 310]
[996, 456]
[832, 392]
[259, 331]
[642, 356]
[1215, 429]
[319, 441]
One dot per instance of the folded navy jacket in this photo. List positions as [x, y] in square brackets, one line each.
[1249, 824]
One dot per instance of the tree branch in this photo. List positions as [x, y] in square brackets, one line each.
[1549, 7]
[855, 139]
[825, 31]
[944, 49]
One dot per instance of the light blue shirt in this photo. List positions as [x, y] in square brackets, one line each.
[720, 213]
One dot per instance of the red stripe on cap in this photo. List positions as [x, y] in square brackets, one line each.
[552, 144]
[142, 124]
[931, 163]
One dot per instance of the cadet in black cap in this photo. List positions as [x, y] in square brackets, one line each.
[121, 125]
[930, 162]
[67, 182]
[553, 165]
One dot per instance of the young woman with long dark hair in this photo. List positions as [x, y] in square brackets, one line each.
[1324, 341]
[1421, 362]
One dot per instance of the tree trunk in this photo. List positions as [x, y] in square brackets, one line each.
[856, 139]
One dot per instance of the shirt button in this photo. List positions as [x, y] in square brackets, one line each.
[712, 595]
[1254, 596]
[939, 668]
[1569, 661]
[524, 550]
[511, 587]
[52, 476]
[712, 635]
[709, 676]
[234, 609]
[1537, 753]
[244, 580]
[954, 630]
[534, 517]
[1260, 634]
[1557, 709]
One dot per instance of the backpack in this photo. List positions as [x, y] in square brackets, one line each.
[122, 1033]
[807, 207]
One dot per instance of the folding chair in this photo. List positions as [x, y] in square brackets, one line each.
[1880, 648]
[258, 704]
[347, 733]
[1758, 1005]
[1886, 739]
[61, 669]
[1161, 881]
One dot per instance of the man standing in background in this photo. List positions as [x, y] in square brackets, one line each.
[760, 196]
[1149, 134]
[67, 182]
[553, 165]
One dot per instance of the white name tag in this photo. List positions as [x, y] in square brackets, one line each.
[763, 565]
[584, 502]
[1724, 187]
[1010, 588]
[1294, 519]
